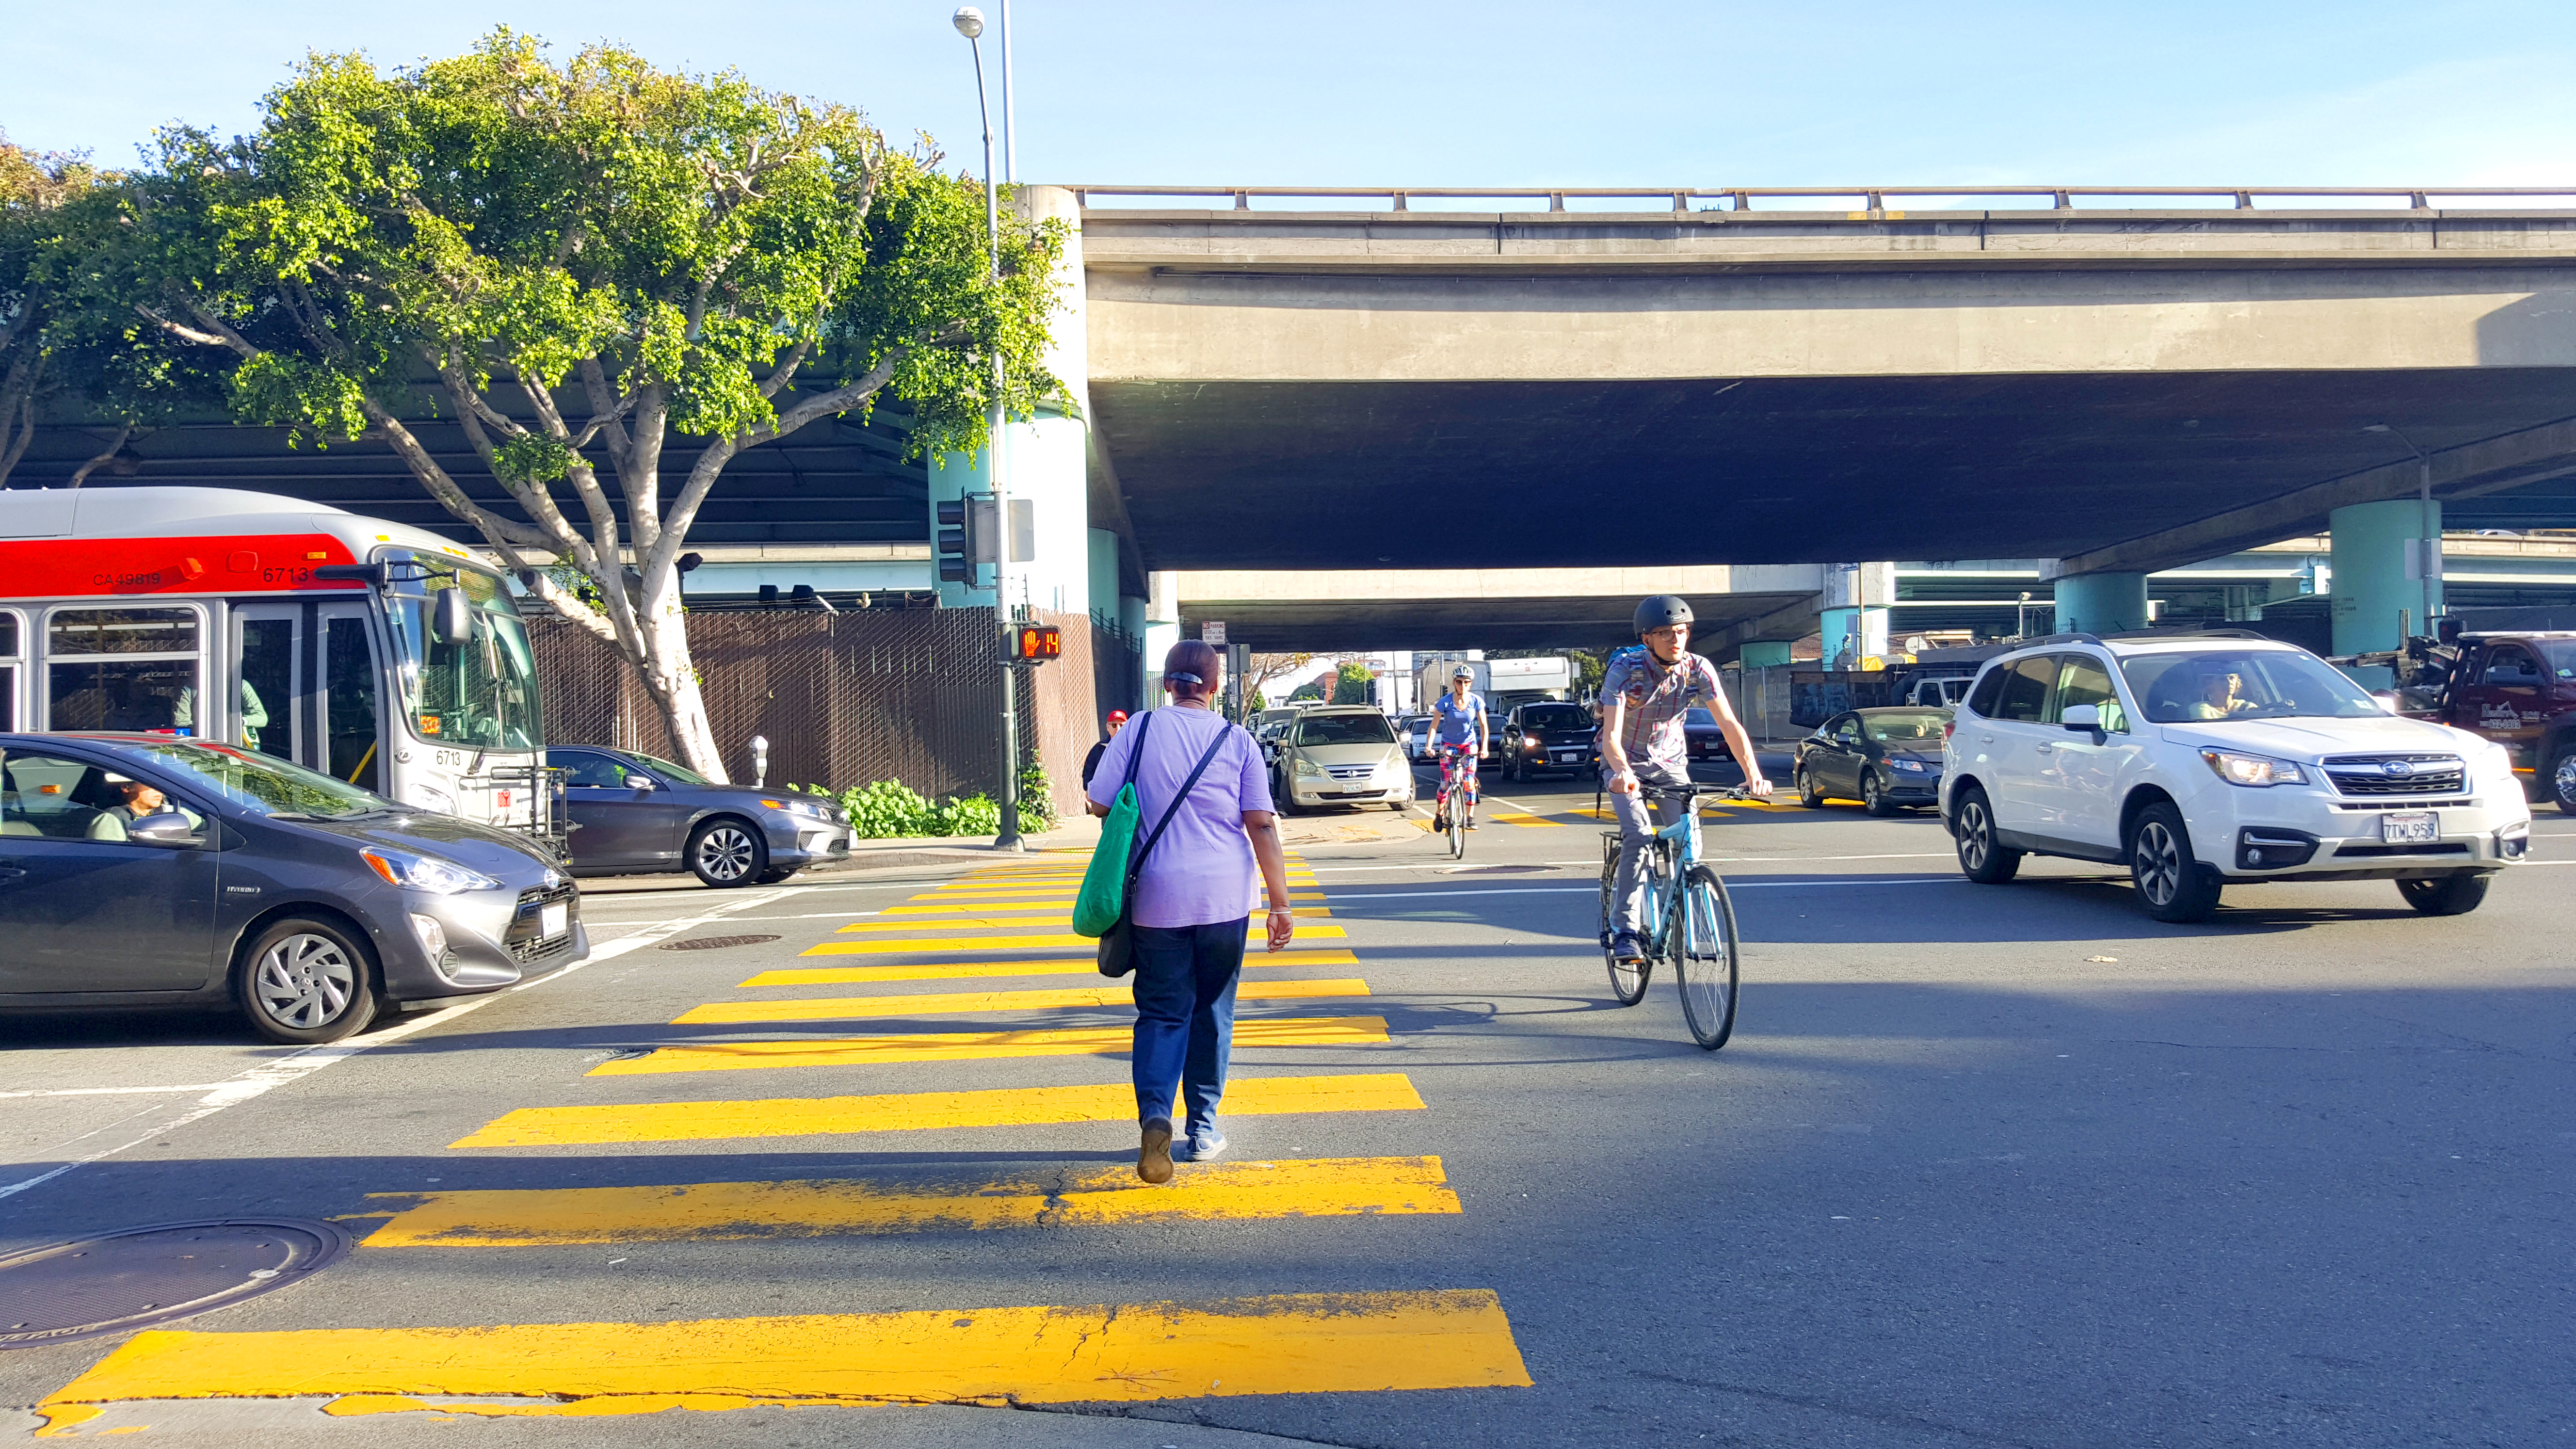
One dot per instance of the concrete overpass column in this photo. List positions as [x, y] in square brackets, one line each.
[2379, 554]
[1162, 631]
[2114, 603]
[1855, 612]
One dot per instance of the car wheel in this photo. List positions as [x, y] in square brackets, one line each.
[2450, 895]
[727, 852]
[1808, 794]
[306, 981]
[2171, 884]
[1873, 795]
[1981, 859]
[2562, 781]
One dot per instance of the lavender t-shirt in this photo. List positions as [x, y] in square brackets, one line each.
[1201, 873]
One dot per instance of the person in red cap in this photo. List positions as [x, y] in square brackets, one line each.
[1091, 762]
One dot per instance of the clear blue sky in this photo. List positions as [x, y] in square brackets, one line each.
[1494, 93]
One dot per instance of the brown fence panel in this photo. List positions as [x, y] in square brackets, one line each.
[848, 698]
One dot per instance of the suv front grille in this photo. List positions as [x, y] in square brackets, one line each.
[2397, 774]
[524, 944]
[1350, 772]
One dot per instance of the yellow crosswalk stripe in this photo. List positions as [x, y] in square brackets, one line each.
[1034, 903]
[951, 1003]
[1066, 1197]
[962, 1046]
[1522, 819]
[969, 970]
[1067, 941]
[1008, 914]
[1289, 1344]
[983, 890]
[919, 1111]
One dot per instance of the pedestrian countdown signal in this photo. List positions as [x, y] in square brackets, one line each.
[1036, 643]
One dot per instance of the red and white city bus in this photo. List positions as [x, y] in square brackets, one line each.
[377, 653]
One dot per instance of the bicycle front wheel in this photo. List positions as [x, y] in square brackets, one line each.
[1627, 978]
[1458, 821]
[1704, 952]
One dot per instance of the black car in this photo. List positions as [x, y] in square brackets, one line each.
[1704, 743]
[1548, 738]
[1886, 759]
[148, 870]
[633, 814]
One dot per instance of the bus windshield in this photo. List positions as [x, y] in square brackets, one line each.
[474, 693]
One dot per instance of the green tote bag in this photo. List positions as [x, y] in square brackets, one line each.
[1103, 898]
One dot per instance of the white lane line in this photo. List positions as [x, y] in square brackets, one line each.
[262, 1079]
[115, 1091]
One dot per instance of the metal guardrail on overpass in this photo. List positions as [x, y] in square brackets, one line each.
[1741, 198]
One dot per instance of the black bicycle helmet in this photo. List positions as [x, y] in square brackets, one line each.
[1661, 610]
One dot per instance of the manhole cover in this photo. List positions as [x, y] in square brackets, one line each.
[129, 1280]
[714, 943]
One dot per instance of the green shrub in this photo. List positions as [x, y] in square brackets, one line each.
[887, 809]
[977, 814]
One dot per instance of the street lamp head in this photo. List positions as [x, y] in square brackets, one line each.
[968, 20]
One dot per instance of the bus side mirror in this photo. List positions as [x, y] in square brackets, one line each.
[451, 620]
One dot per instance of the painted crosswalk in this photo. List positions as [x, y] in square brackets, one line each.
[1064, 1197]
[984, 931]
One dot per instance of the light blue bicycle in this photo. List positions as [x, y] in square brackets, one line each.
[1687, 919]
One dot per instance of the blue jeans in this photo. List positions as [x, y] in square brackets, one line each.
[1185, 979]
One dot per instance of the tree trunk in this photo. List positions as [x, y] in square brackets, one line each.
[672, 678]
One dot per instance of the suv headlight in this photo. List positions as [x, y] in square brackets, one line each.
[426, 872]
[2495, 764]
[2253, 771]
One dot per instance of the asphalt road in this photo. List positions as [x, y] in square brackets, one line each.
[1982, 1166]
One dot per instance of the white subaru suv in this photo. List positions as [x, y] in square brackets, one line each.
[2203, 760]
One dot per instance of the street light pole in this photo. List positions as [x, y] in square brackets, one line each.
[1010, 121]
[970, 23]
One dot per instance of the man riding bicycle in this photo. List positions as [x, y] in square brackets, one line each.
[1458, 739]
[1647, 693]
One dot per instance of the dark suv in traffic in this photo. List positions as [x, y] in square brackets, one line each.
[148, 870]
[1548, 737]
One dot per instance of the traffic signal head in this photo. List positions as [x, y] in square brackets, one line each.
[953, 545]
[1037, 643]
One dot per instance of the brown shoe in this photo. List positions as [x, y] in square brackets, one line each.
[1154, 1158]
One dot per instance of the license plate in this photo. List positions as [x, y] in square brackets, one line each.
[1568, 757]
[2410, 827]
[554, 919]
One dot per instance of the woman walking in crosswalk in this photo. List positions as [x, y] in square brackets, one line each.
[1192, 892]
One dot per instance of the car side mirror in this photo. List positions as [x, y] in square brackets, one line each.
[2083, 718]
[165, 828]
[646, 784]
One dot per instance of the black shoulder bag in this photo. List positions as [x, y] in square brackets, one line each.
[1118, 943]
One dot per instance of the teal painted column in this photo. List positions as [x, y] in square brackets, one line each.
[1104, 574]
[1044, 461]
[1864, 630]
[2102, 604]
[2378, 576]
[1765, 654]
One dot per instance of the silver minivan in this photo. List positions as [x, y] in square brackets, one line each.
[1346, 755]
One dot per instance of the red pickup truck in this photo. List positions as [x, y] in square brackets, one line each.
[2518, 689]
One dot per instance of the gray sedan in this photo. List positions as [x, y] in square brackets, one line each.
[635, 814]
[146, 870]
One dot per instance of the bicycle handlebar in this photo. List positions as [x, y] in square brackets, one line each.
[1696, 791]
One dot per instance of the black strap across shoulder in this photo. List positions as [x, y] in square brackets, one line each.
[1138, 862]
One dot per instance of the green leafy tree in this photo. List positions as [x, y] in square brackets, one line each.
[1351, 683]
[583, 264]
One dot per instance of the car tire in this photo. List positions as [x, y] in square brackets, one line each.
[2171, 884]
[1808, 794]
[2450, 895]
[776, 873]
[1981, 859]
[726, 852]
[1286, 801]
[305, 981]
[2562, 781]
[1873, 795]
